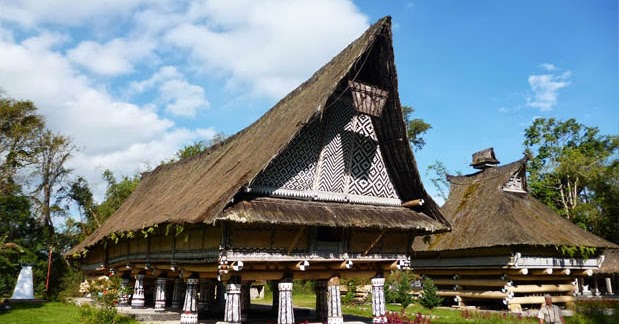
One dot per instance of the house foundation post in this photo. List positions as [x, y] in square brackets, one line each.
[190, 310]
[177, 294]
[245, 299]
[378, 300]
[124, 297]
[232, 314]
[334, 303]
[273, 285]
[285, 315]
[138, 292]
[320, 288]
[202, 295]
[160, 295]
[609, 286]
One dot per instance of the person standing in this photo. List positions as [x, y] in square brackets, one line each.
[549, 313]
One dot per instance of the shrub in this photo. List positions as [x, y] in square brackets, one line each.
[398, 288]
[429, 297]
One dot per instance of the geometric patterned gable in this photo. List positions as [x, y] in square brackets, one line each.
[336, 158]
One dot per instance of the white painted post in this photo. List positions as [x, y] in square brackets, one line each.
[160, 295]
[334, 303]
[609, 286]
[138, 292]
[378, 300]
[233, 304]
[285, 315]
[124, 297]
[190, 311]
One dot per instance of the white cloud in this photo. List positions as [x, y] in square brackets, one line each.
[548, 66]
[179, 96]
[53, 52]
[112, 58]
[270, 46]
[31, 13]
[545, 88]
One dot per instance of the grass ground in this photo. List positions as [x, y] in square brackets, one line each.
[55, 312]
[43, 313]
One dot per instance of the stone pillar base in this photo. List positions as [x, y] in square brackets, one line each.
[189, 318]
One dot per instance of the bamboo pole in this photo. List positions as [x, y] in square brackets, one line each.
[296, 239]
[472, 272]
[541, 288]
[540, 299]
[541, 278]
[473, 294]
[541, 272]
[472, 282]
[374, 242]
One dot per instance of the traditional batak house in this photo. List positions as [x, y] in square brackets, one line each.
[323, 186]
[605, 281]
[506, 247]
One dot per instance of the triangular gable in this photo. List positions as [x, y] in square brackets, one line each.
[335, 158]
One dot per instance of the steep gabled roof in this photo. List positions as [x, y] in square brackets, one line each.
[196, 190]
[483, 214]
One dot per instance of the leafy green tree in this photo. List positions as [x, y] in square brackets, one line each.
[438, 176]
[398, 288]
[20, 127]
[574, 170]
[196, 148]
[116, 194]
[429, 297]
[415, 128]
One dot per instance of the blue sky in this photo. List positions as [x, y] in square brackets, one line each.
[132, 81]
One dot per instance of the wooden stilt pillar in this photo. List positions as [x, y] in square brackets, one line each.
[334, 303]
[202, 295]
[124, 297]
[285, 315]
[233, 304]
[177, 294]
[190, 310]
[378, 300]
[160, 295]
[320, 288]
[275, 289]
[245, 299]
[609, 286]
[138, 292]
[220, 292]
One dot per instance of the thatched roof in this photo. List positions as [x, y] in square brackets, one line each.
[298, 212]
[483, 215]
[198, 189]
[611, 262]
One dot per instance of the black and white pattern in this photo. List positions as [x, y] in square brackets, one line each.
[295, 167]
[338, 156]
[336, 149]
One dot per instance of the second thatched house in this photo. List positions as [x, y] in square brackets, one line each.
[506, 247]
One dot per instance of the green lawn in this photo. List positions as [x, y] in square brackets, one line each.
[55, 312]
[31, 313]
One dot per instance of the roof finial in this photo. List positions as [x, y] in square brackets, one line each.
[484, 159]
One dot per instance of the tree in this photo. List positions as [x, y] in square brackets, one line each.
[574, 170]
[429, 297]
[116, 194]
[196, 148]
[438, 176]
[52, 153]
[415, 128]
[20, 126]
[399, 288]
